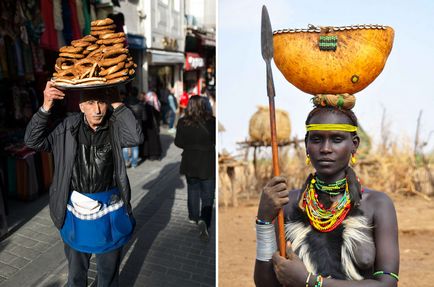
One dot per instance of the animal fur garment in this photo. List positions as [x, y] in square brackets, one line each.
[330, 253]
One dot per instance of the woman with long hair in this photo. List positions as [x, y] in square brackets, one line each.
[339, 233]
[195, 134]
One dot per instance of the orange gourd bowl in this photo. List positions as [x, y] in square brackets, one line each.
[359, 57]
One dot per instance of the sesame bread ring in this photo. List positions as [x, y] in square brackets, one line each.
[111, 41]
[64, 63]
[68, 73]
[92, 47]
[114, 52]
[94, 52]
[129, 64]
[118, 45]
[71, 55]
[89, 38]
[112, 35]
[112, 69]
[87, 62]
[71, 49]
[117, 80]
[104, 22]
[101, 32]
[66, 80]
[113, 61]
[124, 72]
[98, 28]
[80, 43]
[85, 52]
[88, 80]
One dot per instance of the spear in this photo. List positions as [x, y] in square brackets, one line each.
[267, 55]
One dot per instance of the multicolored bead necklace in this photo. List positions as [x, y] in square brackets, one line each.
[325, 219]
[331, 189]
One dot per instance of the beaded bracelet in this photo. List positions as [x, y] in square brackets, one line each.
[319, 280]
[262, 222]
[391, 274]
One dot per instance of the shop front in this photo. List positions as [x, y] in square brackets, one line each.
[164, 70]
[194, 73]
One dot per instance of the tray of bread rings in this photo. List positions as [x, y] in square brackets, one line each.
[88, 86]
[98, 60]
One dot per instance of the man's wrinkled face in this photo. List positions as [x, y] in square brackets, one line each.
[94, 111]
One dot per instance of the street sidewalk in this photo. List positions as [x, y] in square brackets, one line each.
[165, 249]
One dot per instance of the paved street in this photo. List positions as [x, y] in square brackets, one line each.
[164, 251]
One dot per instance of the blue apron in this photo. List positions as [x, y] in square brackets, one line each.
[103, 231]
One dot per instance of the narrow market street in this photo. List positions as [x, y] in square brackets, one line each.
[165, 249]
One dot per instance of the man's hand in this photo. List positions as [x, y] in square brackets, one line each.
[51, 94]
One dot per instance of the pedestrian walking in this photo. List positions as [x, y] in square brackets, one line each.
[131, 154]
[195, 134]
[173, 106]
[151, 148]
[90, 194]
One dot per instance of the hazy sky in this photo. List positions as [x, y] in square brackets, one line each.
[403, 88]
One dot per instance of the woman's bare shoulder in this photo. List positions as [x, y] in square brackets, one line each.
[377, 201]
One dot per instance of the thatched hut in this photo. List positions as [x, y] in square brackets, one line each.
[259, 126]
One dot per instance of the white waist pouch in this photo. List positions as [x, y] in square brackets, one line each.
[84, 204]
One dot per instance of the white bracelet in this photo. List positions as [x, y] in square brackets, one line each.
[265, 242]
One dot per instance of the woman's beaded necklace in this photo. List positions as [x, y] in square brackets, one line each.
[326, 219]
[331, 189]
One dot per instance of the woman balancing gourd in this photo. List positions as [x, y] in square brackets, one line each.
[338, 232]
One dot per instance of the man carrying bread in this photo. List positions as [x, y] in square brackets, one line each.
[90, 193]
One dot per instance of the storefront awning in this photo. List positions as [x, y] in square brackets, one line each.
[158, 57]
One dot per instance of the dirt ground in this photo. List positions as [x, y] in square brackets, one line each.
[236, 245]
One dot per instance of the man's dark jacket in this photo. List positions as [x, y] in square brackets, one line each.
[124, 131]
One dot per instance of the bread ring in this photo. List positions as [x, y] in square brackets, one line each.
[101, 32]
[104, 22]
[85, 52]
[67, 80]
[131, 72]
[124, 72]
[71, 49]
[111, 41]
[117, 80]
[67, 73]
[118, 45]
[112, 35]
[85, 62]
[71, 55]
[64, 63]
[92, 47]
[86, 80]
[89, 38]
[129, 64]
[114, 52]
[112, 69]
[94, 52]
[80, 43]
[97, 28]
[113, 61]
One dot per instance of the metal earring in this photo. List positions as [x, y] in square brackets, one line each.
[353, 159]
[307, 159]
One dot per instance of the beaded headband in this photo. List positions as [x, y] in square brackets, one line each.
[331, 127]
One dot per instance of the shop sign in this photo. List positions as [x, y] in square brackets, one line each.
[193, 61]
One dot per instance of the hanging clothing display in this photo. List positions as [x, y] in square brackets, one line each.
[49, 37]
